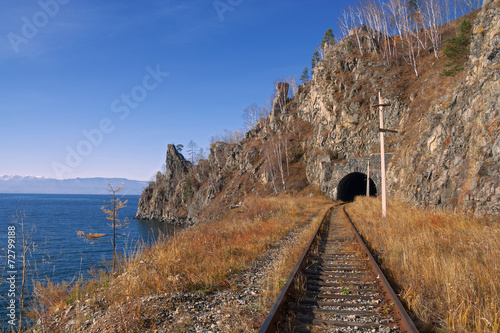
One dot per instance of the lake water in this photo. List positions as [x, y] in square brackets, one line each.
[57, 218]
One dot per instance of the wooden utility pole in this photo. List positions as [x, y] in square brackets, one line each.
[382, 155]
[368, 179]
[382, 150]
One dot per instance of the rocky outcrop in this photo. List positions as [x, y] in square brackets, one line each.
[280, 100]
[447, 151]
[162, 199]
[185, 192]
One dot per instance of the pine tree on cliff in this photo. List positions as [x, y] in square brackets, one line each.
[456, 49]
[315, 59]
[305, 75]
[328, 39]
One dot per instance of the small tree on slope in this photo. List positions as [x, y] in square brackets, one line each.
[111, 209]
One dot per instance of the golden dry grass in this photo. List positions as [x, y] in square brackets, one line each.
[195, 259]
[447, 266]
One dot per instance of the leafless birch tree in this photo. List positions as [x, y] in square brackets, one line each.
[348, 23]
[277, 162]
[432, 18]
[252, 114]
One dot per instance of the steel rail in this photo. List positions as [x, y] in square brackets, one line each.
[275, 319]
[405, 318]
[274, 316]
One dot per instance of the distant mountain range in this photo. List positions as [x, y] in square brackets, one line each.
[31, 184]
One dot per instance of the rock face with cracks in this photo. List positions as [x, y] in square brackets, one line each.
[446, 152]
[455, 161]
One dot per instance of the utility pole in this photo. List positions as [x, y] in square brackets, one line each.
[382, 155]
[368, 179]
[382, 150]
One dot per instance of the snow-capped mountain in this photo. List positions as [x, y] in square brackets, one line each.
[35, 184]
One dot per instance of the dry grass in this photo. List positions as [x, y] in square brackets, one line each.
[251, 316]
[446, 266]
[196, 259]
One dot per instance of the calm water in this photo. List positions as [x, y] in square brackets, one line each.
[57, 219]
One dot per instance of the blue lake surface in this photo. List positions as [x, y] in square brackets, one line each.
[57, 218]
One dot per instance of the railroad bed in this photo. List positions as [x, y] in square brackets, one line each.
[336, 288]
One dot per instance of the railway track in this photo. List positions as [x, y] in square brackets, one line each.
[337, 287]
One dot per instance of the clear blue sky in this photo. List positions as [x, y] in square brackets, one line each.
[99, 88]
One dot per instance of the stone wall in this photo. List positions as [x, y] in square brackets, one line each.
[359, 164]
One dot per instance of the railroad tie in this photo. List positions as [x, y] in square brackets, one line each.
[342, 291]
[337, 287]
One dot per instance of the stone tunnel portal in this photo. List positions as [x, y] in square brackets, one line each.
[352, 185]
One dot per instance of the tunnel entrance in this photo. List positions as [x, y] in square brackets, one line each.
[352, 185]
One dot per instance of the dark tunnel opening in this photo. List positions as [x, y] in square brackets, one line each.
[352, 185]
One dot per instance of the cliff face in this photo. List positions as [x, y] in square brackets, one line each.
[455, 160]
[162, 200]
[446, 152]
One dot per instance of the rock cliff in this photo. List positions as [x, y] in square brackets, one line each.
[455, 160]
[446, 152]
[163, 199]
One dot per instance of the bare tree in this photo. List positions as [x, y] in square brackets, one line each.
[192, 147]
[111, 210]
[432, 17]
[252, 114]
[398, 15]
[350, 18]
[269, 168]
[389, 43]
[344, 24]
[293, 84]
[231, 137]
[412, 23]
[321, 51]
[200, 155]
[469, 5]
[447, 10]
[371, 12]
[276, 161]
[402, 20]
